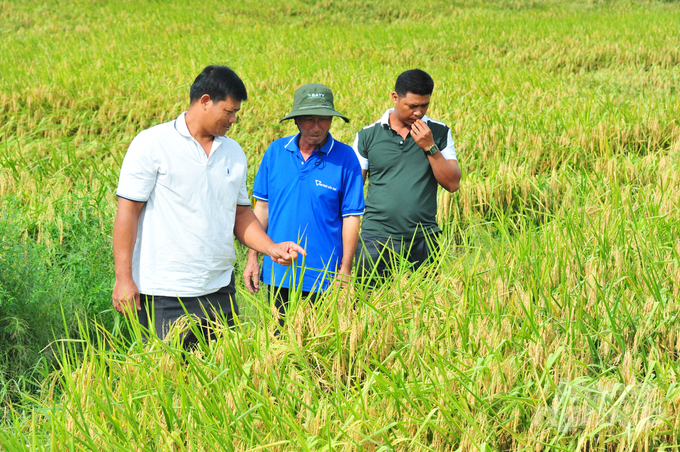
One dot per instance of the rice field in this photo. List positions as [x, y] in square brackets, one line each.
[550, 321]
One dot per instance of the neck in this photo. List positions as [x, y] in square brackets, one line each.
[307, 149]
[199, 133]
[396, 123]
[194, 126]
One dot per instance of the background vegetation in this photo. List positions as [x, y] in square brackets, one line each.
[552, 322]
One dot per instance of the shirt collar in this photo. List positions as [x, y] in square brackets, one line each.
[292, 144]
[385, 119]
[181, 127]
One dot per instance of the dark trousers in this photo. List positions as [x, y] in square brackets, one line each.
[164, 311]
[282, 296]
[375, 256]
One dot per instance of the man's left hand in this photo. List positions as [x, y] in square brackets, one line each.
[285, 253]
[342, 280]
[422, 135]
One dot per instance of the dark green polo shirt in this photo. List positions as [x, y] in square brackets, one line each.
[402, 189]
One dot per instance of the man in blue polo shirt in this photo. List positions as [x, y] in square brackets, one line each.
[308, 189]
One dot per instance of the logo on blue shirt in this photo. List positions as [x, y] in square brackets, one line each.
[321, 184]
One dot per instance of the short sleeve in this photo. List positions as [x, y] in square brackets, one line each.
[243, 199]
[261, 184]
[360, 151]
[353, 195]
[449, 150]
[139, 170]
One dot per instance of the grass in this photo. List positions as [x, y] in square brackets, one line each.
[551, 323]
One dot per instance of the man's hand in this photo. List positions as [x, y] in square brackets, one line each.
[285, 253]
[126, 296]
[251, 275]
[342, 278]
[422, 135]
[125, 291]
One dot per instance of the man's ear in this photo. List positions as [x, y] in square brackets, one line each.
[205, 101]
[395, 97]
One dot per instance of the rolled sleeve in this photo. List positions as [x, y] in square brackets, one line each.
[138, 172]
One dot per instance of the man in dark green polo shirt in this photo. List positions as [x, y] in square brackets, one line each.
[406, 155]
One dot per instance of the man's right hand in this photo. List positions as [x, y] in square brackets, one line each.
[285, 253]
[125, 291]
[251, 274]
[126, 296]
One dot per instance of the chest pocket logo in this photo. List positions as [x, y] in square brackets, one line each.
[321, 184]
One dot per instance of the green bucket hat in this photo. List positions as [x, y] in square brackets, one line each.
[313, 99]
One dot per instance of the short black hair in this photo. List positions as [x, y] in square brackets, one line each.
[218, 82]
[414, 81]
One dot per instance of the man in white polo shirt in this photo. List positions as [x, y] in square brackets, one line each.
[181, 200]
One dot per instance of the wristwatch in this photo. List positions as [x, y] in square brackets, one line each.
[433, 150]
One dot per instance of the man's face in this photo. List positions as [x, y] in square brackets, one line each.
[410, 107]
[313, 129]
[221, 115]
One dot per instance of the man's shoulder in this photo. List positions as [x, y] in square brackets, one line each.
[437, 127]
[370, 129]
[278, 145]
[159, 129]
[282, 142]
[156, 134]
[342, 147]
[344, 153]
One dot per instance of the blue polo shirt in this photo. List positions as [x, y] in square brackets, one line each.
[307, 201]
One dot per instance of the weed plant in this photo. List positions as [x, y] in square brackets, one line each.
[549, 323]
[49, 274]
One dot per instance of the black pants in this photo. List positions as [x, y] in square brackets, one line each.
[282, 297]
[166, 310]
[375, 256]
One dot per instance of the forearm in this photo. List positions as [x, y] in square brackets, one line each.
[249, 231]
[261, 212]
[124, 237]
[445, 171]
[125, 294]
[350, 238]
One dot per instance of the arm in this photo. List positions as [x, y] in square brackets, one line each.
[445, 171]
[350, 238]
[125, 291]
[248, 231]
[251, 274]
[363, 161]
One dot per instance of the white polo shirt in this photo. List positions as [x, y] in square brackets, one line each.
[185, 239]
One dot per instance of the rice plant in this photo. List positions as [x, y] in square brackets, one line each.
[549, 322]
